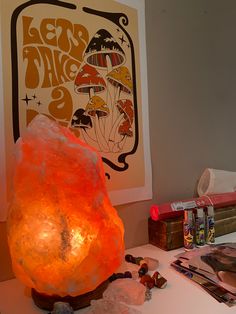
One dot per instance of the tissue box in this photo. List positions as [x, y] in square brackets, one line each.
[168, 234]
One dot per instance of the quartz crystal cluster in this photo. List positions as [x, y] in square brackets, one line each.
[65, 237]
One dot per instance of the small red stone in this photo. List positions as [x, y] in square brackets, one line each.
[147, 281]
[160, 282]
[143, 269]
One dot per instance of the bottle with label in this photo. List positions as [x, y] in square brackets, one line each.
[210, 225]
[200, 226]
[188, 229]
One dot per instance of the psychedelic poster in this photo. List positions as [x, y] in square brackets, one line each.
[83, 64]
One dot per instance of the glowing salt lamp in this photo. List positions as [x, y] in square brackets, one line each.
[65, 237]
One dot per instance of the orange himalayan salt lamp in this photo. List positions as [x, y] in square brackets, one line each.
[65, 237]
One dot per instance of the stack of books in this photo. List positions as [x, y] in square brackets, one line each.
[213, 267]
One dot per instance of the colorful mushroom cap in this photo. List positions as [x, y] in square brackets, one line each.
[126, 106]
[88, 77]
[125, 129]
[97, 105]
[101, 45]
[120, 77]
[81, 119]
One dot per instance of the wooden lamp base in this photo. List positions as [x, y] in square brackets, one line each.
[46, 302]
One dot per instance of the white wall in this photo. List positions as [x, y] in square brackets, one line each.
[192, 77]
[191, 55]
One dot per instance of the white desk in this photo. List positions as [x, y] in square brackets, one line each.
[181, 295]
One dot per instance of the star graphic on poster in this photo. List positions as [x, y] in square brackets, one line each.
[122, 40]
[39, 103]
[34, 96]
[26, 99]
[25, 52]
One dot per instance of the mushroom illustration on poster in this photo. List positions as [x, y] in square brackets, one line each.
[81, 63]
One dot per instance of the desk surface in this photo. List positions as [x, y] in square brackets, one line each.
[181, 294]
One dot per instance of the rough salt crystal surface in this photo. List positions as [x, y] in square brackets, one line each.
[103, 306]
[126, 290]
[65, 237]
